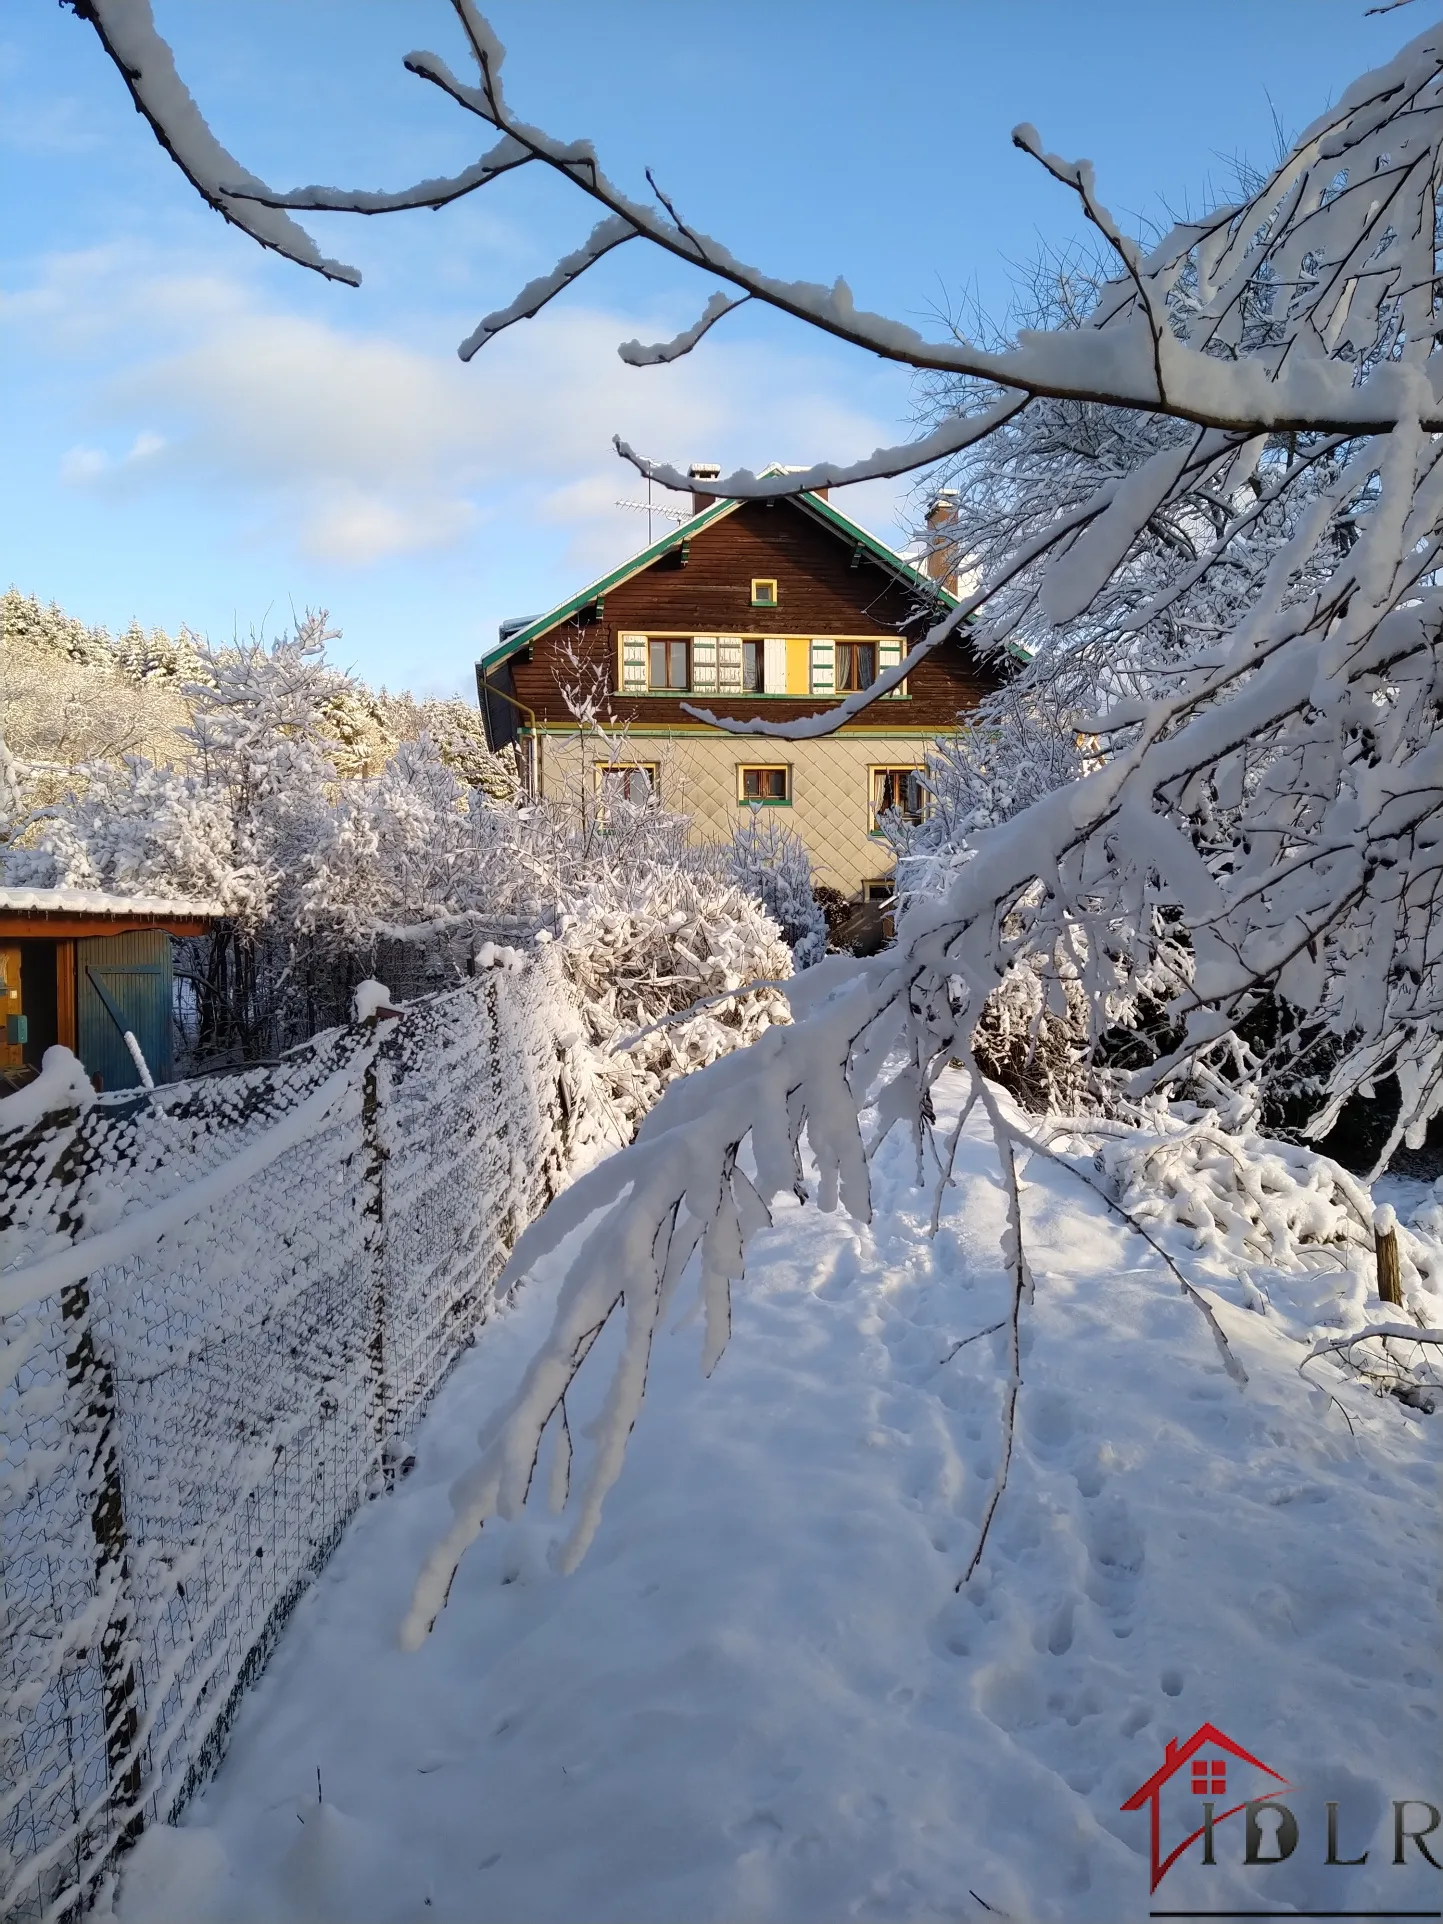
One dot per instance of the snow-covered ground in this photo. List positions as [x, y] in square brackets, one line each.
[760, 1697]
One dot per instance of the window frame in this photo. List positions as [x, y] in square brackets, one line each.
[764, 768]
[848, 651]
[651, 770]
[668, 642]
[766, 581]
[877, 769]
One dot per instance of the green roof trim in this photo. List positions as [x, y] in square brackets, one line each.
[812, 504]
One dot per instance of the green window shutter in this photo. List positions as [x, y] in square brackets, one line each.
[729, 663]
[703, 661]
[824, 667]
[889, 653]
[633, 664]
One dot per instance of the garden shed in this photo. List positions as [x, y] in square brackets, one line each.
[93, 972]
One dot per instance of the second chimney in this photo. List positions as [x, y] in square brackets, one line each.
[940, 560]
[702, 471]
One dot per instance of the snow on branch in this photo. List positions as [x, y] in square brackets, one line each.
[1130, 356]
[536, 294]
[127, 32]
[637, 355]
[503, 158]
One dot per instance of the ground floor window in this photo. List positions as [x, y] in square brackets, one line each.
[899, 791]
[628, 781]
[769, 783]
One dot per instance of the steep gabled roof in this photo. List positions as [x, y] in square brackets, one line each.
[837, 523]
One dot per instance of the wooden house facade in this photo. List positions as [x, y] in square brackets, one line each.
[775, 609]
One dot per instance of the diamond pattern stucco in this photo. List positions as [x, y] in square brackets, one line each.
[831, 788]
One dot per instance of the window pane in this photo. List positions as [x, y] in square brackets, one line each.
[753, 667]
[764, 784]
[856, 665]
[658, 664]
[677, 677]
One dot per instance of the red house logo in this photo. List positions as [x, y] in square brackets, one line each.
[1204, 1757]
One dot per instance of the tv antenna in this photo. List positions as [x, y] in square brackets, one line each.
[650, 508]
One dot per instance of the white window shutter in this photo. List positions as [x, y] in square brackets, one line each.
[889, 653]
[824, 667]
[729, 662]
[774, 665]
[633, 664]
[703, 661]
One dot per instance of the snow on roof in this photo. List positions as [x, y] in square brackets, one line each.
[100, 902]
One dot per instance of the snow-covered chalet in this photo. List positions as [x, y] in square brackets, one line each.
[748, 608]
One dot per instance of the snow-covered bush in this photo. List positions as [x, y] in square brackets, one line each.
[771, 864]
[637, 956]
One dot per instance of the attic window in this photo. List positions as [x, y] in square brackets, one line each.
[764, 594]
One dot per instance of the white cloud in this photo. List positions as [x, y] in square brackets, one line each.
[83, 464]
[362, 446]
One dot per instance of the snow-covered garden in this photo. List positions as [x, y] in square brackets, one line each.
[961, 1437]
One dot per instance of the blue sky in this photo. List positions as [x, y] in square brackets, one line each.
[199, 432]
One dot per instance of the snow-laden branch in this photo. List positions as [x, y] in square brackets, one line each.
[1130, 354]
[504, 158]
[635, 354]
[127, 33]
[606, 235]
[1400, 1332]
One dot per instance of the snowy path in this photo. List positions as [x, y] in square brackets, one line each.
[759, 1698]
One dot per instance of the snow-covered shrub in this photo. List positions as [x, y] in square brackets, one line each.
[637, 957]
[1033, 1038]
[771, 864]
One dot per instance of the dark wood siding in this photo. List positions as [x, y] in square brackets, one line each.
[819, 592]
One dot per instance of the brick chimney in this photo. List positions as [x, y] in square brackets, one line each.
[702, 471]
[941, 558]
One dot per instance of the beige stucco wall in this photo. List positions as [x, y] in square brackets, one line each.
[831, 788]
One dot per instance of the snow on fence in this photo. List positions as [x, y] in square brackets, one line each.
[224, 1305]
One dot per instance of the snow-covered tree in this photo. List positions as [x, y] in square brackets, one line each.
[1303, 318]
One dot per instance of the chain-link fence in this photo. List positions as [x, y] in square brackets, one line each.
[223, 1306]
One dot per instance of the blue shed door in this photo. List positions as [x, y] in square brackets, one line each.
[124, 982]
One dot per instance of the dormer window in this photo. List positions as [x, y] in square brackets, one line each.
[764, 593]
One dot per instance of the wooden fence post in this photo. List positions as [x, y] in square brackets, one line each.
[1385, 1245]
[92, 1377]
[373, 1177]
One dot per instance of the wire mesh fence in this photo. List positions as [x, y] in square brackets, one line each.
[223, 1307]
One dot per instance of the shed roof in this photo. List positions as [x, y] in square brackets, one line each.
[70, 905]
